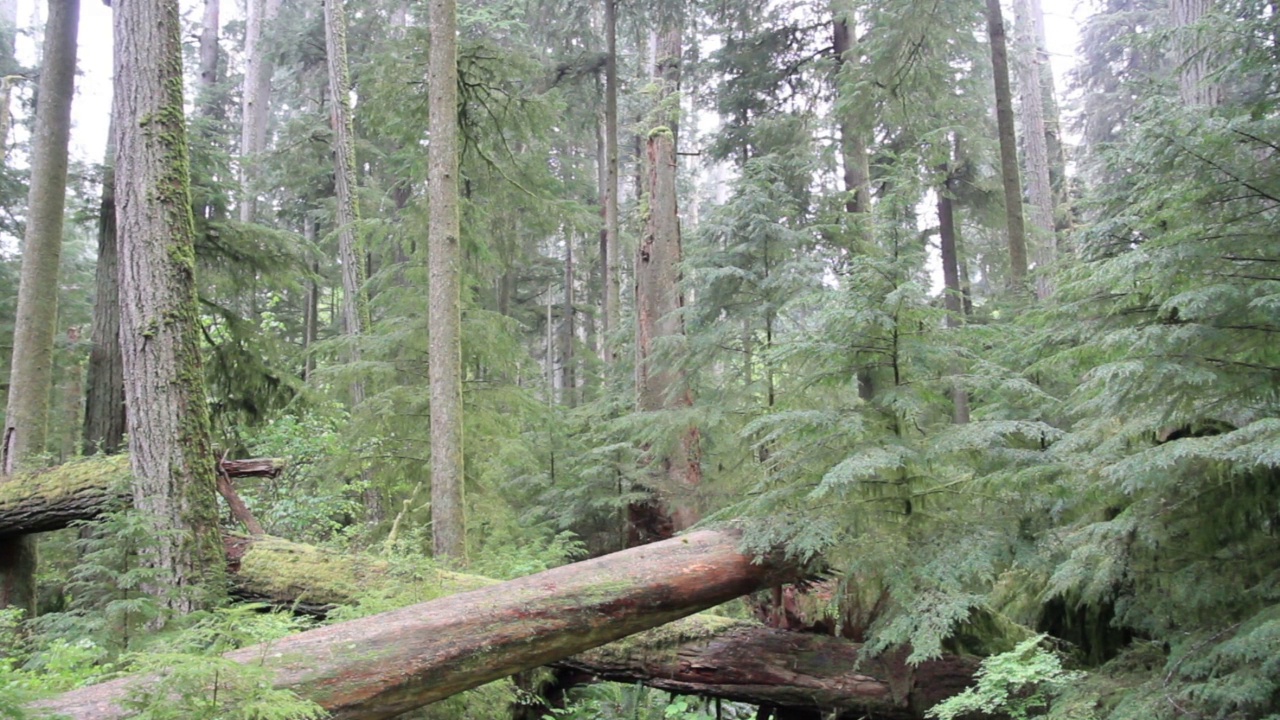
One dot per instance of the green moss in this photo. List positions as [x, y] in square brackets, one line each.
[285, 570]
[660, 131]
[105, 475]
[669, 637]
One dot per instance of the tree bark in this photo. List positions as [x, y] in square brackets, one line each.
[952, 298]
[104, 412]
[1036, 155]
[351, 253]
[311, 303]
[256, 100]
[611, 246]
[169, 437]
[52, 499]
[1052, 120]
[36, 318]
[448, 518]
[568, 331]
[1195, 58]
[1015, 225]
[210, 26]
[853, 148]
[387, 664]
[676, 477]
[741, 661]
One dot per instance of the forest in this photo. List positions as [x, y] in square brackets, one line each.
[640, 359]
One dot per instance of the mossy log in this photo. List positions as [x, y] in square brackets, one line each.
[703, 654]
[386, 664]
[52, 499]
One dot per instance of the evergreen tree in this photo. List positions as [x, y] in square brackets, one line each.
[169, 437]
[31, 374]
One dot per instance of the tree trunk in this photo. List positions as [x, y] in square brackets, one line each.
[209, 29]
[36, 318]
[8, 66]
[853, 139]
[568, 332]
[1031, 101]
[1196, 61]
[448, 519]
[1052, 120]
[659, 300]
[611, 247]
[387, 664]
[741, 661]
[169, 436]
[104, 412]
[1016, 229]
[311, 303]
[256, 100]
[953, 300]
[853, 149]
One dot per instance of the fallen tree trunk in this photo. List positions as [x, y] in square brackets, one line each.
[52, 499]
[747, 662]
[703, 654]
[386, 664]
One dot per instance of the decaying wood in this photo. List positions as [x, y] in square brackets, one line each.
[54, 498]
[239, 510]
[744, 661]
[386, 664]
[699, 655]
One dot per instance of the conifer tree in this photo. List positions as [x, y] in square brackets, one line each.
[104, 415]
[170, 449]
[1014, 221]
[448, 519]
[1036, 152]
[31, 374]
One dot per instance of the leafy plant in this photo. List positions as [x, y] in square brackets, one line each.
[1019, 684]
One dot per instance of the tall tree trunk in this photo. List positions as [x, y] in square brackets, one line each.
[1036, 155]
[673, 479]
[72, 392]
[355, 304]
[568, 331]
[1052, 120]
[612, 248]
[169, 437]
[1016, 228]
[256, 100]
[8, 66]
[448, 520]
[1196, 60]
[355, 318]
[953, 299]
[853, 147]
[209, 29]
[311, 303]
[658, 303]
[104, 411]
[36, 319]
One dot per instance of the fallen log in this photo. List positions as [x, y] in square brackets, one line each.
[705, 655]
[387, 664]
[53, 498]
[744, 661]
